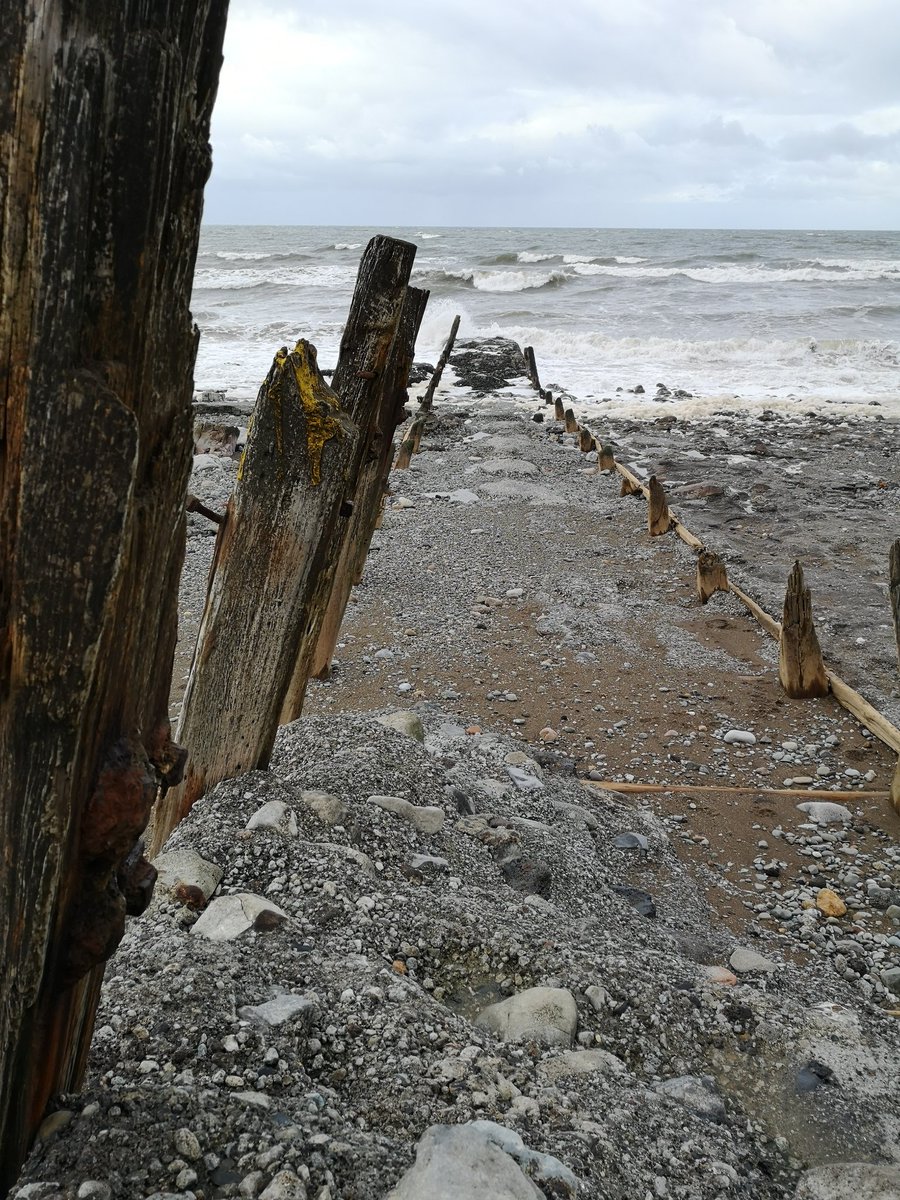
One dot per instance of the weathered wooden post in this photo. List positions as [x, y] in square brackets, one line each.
[895, 609]
[711, 575]
[367, 501]
[277, 551]
[629, 487]
[428, 399]
[531, 367]
[659, 519]
[894, 575]
[800, 666]
[408, 445]
[104, 127]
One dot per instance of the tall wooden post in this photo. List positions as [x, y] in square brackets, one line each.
[895, 609]
[428, 399]
[104, 126]
[659, 519]
[368, 497]
[800, 665]
[278, 548]
[894, 573]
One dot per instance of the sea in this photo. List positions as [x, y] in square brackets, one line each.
[732, 317]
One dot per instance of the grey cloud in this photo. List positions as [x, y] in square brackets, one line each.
[466, 112]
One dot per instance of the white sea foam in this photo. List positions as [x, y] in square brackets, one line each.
[242, 255]
[595, 364]
[323, 275]
[507, 281]
[744, 273]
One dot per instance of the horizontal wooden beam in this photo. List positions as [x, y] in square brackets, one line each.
[614, 785]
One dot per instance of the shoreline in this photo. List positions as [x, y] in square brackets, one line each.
[520, 639]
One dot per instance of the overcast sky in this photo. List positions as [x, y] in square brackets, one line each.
[696, 113]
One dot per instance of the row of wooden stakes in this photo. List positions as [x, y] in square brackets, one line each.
[801, 666]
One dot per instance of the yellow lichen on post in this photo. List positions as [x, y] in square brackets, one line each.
[297, 370]
[321, 406]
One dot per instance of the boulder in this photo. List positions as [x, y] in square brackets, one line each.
[329, 809]
[406, 722]
[228, 917]
[274, 814]
[422, 817]
[280, 1010]
[544, 1015]
[186, 868]
[747, 962]
[455, 1162]
[849, 1181]
[477, 1161]
[826, 812]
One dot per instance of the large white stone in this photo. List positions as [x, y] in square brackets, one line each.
[277, 815]
[544, 1015]
[406, 722]
[739, 737]
[747, 962]
[230, 916]
[825, 812]
[478, 1161]
[329, 809]
[281, 1009]
[454, 1162]
[422, 817]
[850, 1181]
[187, 867]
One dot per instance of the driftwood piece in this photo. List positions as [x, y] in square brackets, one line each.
[572, 425]
[428, 399]
[894, 574]
[559, 411]
[197, 506]
[711, 575]
[637, 789]
[586, 441]
[800, 666]
[104, 127]
[856, 704]
[531, 367]
[370, 492]
[659, 519]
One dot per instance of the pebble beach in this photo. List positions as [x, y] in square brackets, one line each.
[447, 946]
